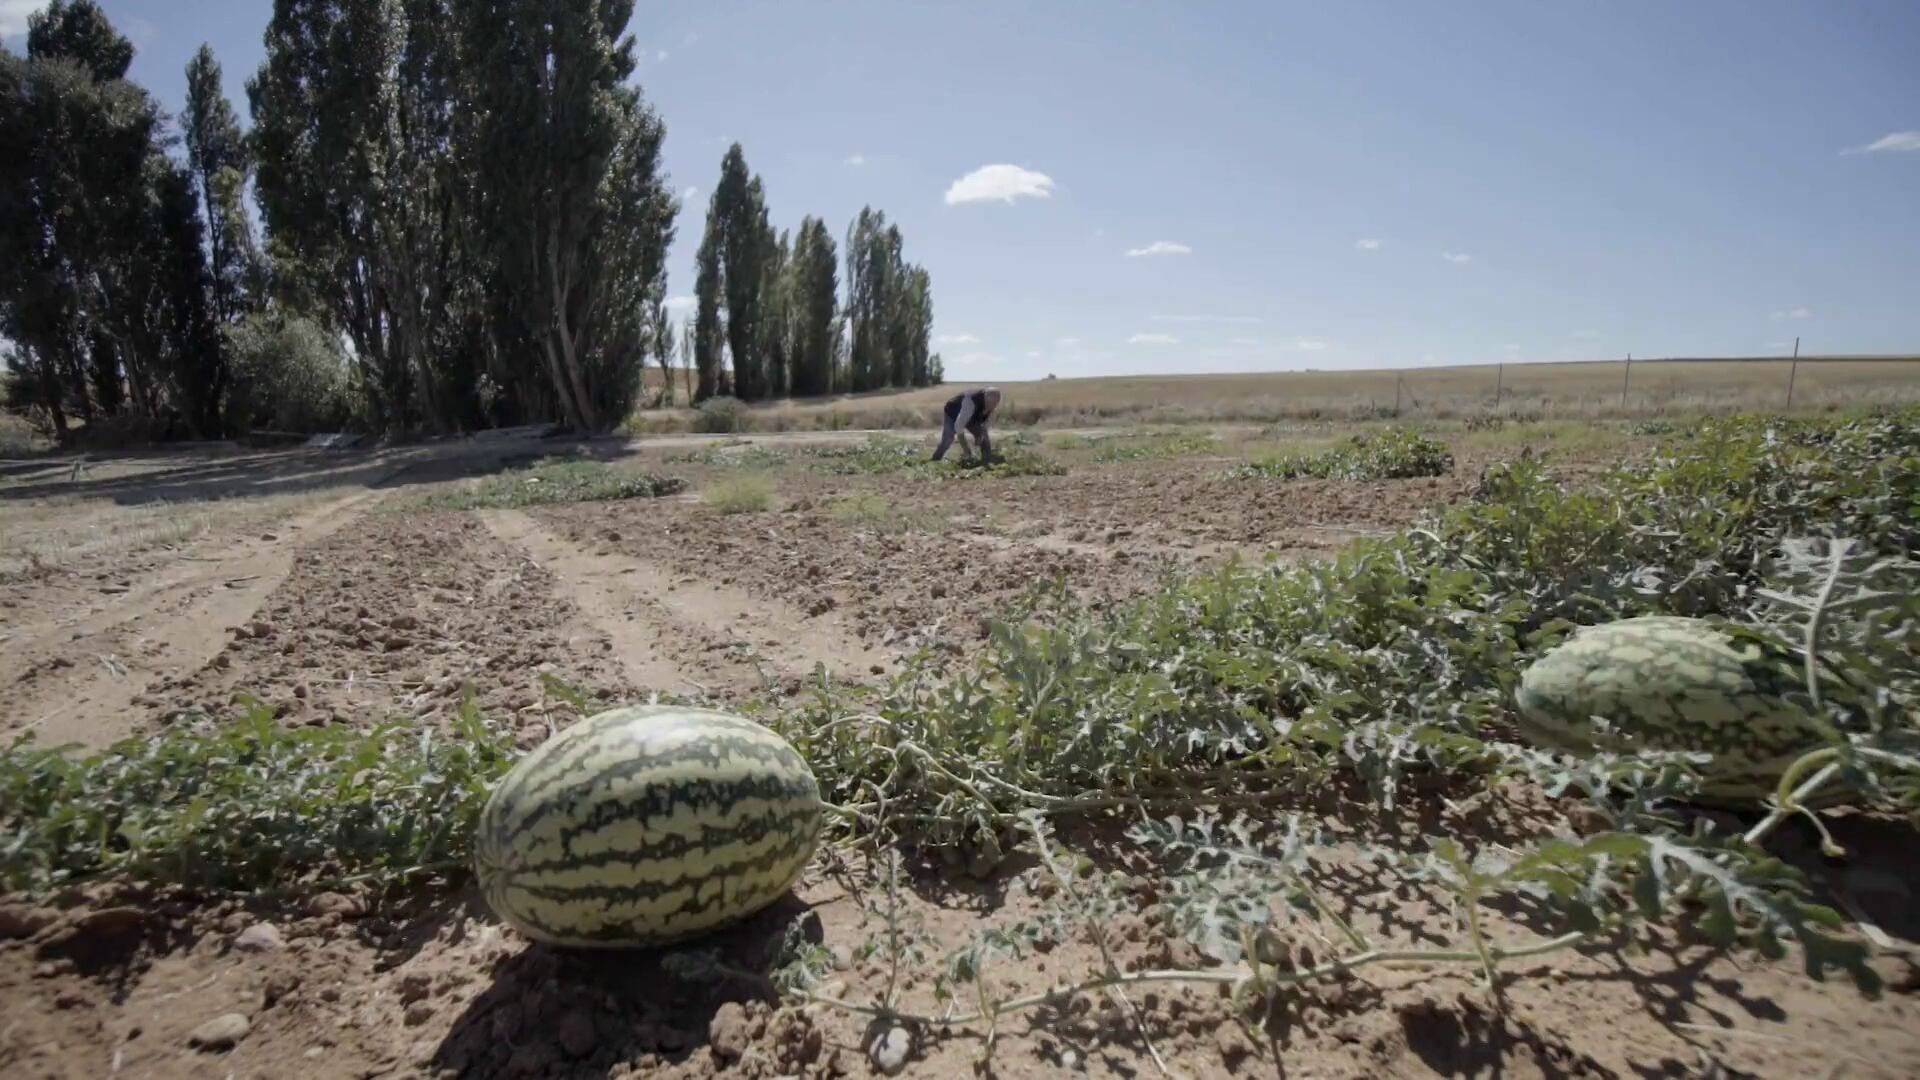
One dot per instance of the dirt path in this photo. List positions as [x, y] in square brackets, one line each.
[78, 677]
[674, 633]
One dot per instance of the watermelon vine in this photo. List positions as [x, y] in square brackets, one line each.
[1210, 718]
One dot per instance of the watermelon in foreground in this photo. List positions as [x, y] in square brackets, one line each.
[1672, 684]
[646, 825]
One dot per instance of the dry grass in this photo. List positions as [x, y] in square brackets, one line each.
[45, 535]
[739, 494]
[1584, 391]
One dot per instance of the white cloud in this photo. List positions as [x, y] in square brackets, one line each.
[1367, 244]
[975, 359]
[1584, 335]
[857, 160]
[13, 15]
[1793, 313]
[1161, 247]
[1781, 345]
[1098, 233]
[1893, 143]
[1310, 345]
[1067, 342]
[1033, 354]
[999, 183]
[956, 339]
[661, 56]
[1456, 256]
[680, 303]
[1509, 347]
[1153, 339]
[688, 196]
[1245, 342]
[1245, 319]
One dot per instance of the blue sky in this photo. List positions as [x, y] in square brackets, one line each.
[1186, 187]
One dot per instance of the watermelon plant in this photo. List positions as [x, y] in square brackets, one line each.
[1393, 454]
[1205, 713]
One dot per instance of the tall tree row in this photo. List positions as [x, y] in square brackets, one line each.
[771, 301]
[103, 293]
[462, 221]
[889, 309]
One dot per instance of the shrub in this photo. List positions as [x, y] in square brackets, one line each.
[720, 416]
[288, 375]
[740, 495]
[556, 480]
[1394, 454]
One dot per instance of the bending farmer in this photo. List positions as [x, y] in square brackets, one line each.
[967, 413]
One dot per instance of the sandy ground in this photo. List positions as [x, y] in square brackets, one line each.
[344, 602]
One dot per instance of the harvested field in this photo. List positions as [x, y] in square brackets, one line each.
[352, 590]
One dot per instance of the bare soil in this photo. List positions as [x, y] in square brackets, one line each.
[359, 606]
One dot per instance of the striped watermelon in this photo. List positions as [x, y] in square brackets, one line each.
[646, 825]
[1667, 683]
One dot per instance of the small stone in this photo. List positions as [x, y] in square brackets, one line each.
[842, 958]
[260, 938]
[728, 1035]
[280, 984]
[1587, 821]
[69, 999]
[1069, 1059]
[24, 922]
[577, 1036]
[889, 1051]
[261, 629]
[418, 1013]
[315, 1053]
[414, 986]
[220, 1033]
[330, 903]
[1232, 1043]
[811, 1045]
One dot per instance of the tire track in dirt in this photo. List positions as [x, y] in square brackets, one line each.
[77, 680]
[679, 635]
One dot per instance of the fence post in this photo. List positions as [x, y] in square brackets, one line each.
[1793, 372]
[1499, 383]
[1626, 382]
[1397, 380]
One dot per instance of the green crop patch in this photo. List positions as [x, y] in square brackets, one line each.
[1395, 454]
[555, 480]
[1207, 717]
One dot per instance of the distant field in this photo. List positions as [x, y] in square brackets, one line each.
[1568, 390]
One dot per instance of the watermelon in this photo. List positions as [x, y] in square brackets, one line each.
[1665, 683]
[645, 826]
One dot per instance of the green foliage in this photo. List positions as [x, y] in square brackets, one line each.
[288, 375]
[726, 457]
[251, 805]
[1395, 454]
[889, 308]
[1399, 658]
[720, 416]
[556, 480]
[1156, 447]
[103, 292]
[739, 495]
[1394, 661]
